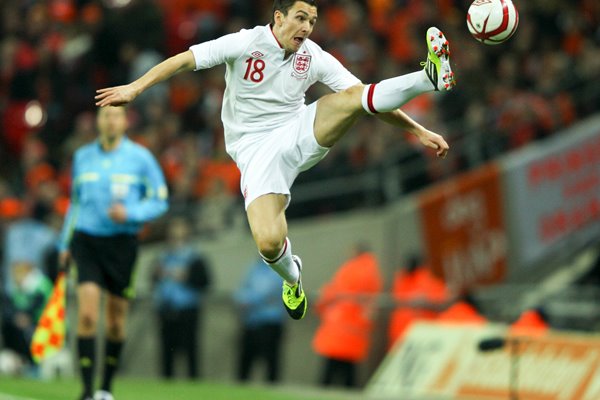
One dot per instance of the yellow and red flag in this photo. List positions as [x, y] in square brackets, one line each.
[49, 335]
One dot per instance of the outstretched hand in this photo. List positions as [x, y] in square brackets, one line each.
[115, 96]
[435, 141]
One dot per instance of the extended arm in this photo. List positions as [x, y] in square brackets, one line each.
[120, 95]
[428, 138]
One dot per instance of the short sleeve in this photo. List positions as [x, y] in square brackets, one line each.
[335, 75]
[219, 51]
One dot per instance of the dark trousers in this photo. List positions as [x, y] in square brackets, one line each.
[262, 342]
[334, 371]
[179, 334]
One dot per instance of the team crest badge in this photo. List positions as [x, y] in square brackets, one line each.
[301, 65]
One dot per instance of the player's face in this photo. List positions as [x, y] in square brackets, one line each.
[111, 121]
[294, 28]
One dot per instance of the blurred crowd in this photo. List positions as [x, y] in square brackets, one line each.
[54, 54]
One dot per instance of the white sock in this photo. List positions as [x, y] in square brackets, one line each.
[390, 94]
[284, 265]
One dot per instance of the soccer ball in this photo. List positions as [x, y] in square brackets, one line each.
[492, 21]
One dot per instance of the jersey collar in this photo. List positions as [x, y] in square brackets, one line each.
[274, 38]
[124, 139]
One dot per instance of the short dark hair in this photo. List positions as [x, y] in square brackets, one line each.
[285, 5]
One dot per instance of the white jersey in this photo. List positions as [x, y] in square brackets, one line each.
[264, 90]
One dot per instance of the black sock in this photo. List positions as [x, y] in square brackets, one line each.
[87, 358]
[111, 363]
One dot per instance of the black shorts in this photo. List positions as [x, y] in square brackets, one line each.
[105, 260]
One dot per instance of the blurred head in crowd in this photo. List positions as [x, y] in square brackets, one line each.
[112, 124]
[413, 262]
[178, 232]
[293, 22]
[20, 272]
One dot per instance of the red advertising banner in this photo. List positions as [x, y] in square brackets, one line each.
[463, 228]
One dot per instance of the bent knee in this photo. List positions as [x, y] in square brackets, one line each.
[88, 321]
[270, 245]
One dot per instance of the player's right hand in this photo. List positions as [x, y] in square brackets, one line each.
[115, 96]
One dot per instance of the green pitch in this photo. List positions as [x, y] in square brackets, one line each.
[131, 389]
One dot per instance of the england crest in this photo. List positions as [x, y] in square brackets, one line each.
[301, 64]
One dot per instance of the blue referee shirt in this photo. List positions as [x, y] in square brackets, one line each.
[129, 175]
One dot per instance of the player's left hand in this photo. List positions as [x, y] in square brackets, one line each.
[118, 213]
[435, 141]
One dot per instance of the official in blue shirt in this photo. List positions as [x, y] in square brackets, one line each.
[117, 186]
[262, 321]
[182, 276]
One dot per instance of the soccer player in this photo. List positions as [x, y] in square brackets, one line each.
[269, 131]
[117, 186]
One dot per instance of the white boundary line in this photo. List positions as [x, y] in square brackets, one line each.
[4, 396]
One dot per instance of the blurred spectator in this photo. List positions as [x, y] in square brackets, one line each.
[531, 323]
[262, 317]
[216, 212]
[29, 239]
[463, 311]
[22, 306]
[346, 307]
[11, 210]
[182, 279]
[55, 54]
[139, 61]
[419, 294]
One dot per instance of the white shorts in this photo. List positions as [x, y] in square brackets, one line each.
[271, 161]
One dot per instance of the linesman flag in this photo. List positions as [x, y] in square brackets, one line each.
[49, 335]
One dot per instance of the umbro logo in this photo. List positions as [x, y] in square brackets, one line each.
[257, 54]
